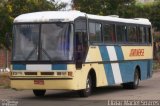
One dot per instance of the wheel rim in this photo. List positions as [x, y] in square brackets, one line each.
[88, 86]
[136, 79]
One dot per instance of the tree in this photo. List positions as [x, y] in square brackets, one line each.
[9, 9]
[5, 21]
[26, 6]
[103, 7]
[155, 15]
[123, 8]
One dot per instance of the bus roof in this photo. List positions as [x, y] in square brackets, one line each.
[67, 16]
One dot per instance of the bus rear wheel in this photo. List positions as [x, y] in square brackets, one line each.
[87, 91]
[135, 83]
[39, 93]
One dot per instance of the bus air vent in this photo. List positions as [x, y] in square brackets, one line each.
[30, 73]
[47, 73]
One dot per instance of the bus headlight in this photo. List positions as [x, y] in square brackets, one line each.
[70, 74]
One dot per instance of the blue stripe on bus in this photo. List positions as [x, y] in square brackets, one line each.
[107, 67]
[119, 53]
[19, 67]
[104, 53]
[59, 66]
[109, 72]
[120, 56]
[128, 68]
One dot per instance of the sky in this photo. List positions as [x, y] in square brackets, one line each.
[64, 0]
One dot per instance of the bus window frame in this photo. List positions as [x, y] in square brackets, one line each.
[95, 22]
[149, 36]
[74, 38]
[125, 36]
[114, 34]
[132, 42]
[125, 43]
[138, 43]
[40, 61]
[95, 44]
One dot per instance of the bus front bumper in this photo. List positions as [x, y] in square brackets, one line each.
[43, 83]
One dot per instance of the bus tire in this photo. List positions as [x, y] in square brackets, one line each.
[86, 92]
[39, 93]
[135, 83]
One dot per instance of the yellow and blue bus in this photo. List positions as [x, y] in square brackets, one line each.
[72, 50]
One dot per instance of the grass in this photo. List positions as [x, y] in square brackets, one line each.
[156, 65]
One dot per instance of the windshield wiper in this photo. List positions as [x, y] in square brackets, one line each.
[31, 53]
[46, 54]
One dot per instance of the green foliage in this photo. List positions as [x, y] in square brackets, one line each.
[27, 6]
[104, 7]
[123, 8]
[5, 21]
[156, 65]
[155, 15]
[9, 9]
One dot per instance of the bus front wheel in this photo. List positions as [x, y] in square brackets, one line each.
[135, 83]
[39, 93]
[87, 91]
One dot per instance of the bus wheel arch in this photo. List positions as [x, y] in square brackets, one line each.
[92, 73]
[90, 84]
[139, 71]
[135, 83]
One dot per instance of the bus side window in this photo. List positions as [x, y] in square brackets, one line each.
[94, 32]
[109, 33]
[142, 35]
[121, 33]
[132, 35]
[148, 34]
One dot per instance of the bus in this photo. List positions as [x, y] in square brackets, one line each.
[73, 50]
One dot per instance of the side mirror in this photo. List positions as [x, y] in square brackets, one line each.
[8, 41]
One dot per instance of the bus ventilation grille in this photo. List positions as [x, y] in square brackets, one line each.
[30, 73]
[47, 73]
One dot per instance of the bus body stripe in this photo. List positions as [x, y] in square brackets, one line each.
[104, 53]
[38, 67]
[119, 53]
[59, 67]
[107, 66]
[112, 53]
[115, 66]
[109, 73]
[116, 73]
[120, 57]
[19, 67]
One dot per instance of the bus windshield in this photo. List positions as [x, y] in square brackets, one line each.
[43, 42]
